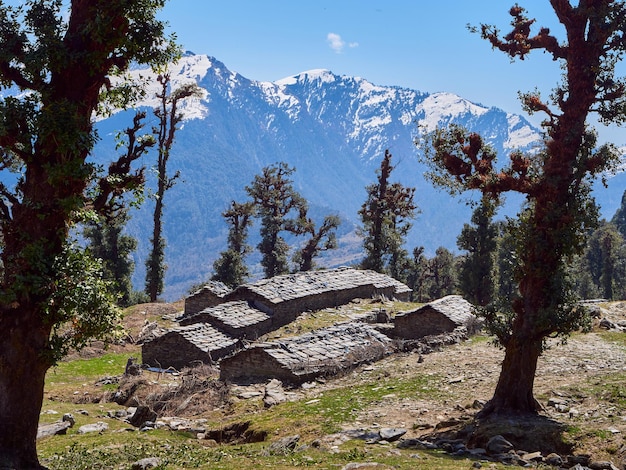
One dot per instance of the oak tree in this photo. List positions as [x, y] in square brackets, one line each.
[169, 117]
[278, 205]
[385, 216]
[230, 267]
[320, 239]
[58, 60]
[559, 210]
[476, 280]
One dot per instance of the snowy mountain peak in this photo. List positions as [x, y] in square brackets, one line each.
[315, 75]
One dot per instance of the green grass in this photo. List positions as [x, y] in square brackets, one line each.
[86, 370]
[326, 412]
[177, 452]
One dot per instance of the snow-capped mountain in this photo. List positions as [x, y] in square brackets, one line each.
[333, 129]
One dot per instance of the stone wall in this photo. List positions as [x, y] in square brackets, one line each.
[209, 295]
[181, 346]
[324, 352]
[438, 317]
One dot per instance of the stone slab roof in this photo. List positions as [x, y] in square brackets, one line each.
[327, 344]
[454, 307]
[303, 284]
[216, 287]
[203, 336]
[236, 313]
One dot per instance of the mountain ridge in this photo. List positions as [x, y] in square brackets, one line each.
[333, 129]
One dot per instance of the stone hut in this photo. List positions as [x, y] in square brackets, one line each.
[209, 295]
[323, 352]
[180, 346]
[440, 316]
[285, 297]
[236, 318]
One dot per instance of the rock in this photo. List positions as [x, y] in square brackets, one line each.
[362, 465]
[46, 430]
[607, 324]
[94, 427]
[533, 457]
[144, 464]
[498, 445]
[392, 434]
[69, 418]
[283, 446]
[132, 368]
[602, 465]
[274, 393]
[415, 444]
[554, 460]
[582, 459]
[141, 415]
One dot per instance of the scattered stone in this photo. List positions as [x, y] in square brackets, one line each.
[283, 446]
[392, 434]
[602, 465]
[274, 393]
[554, 459]
[141, 415]
[144, 464]
[46, 430]
[498, 445]
[94, 427]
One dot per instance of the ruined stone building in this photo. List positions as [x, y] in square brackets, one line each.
[223, 326]
[324, 352]
[440, 316]
[252, 310]
[182, 346]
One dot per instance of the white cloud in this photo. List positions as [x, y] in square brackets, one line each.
[337, 44]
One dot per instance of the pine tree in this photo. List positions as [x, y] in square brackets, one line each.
[322, 239]
[109, 244]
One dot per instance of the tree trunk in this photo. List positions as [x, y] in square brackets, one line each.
[23, 369]
[514, 392]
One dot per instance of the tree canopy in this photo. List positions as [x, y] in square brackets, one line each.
[60, 63]
[555, 179]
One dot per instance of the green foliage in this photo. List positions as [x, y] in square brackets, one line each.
[168, 119]
[476, 281]
[230, 267]
[275, 199]
[113, 248]
[80, 307]
[319, 240]
[385, 216]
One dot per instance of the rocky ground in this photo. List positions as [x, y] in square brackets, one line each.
[579, 384]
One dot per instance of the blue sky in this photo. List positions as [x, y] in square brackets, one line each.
[418, 44]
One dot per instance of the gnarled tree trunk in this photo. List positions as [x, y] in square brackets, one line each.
[514, 391]
[22, 374]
